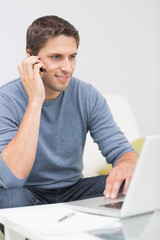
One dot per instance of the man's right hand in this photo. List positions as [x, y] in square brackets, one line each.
[31, 79]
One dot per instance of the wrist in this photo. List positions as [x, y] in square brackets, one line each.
[129, 157]
[35, 103]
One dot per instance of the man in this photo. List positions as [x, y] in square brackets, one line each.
[43, 126]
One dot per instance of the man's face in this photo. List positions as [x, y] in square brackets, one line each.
[59, 57]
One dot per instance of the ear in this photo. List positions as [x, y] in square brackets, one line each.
[28, 50]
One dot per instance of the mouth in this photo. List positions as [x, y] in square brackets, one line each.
[62, 78]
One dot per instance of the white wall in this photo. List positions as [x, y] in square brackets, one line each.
[119, 50]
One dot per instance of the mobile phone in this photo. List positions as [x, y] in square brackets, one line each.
[42, 71]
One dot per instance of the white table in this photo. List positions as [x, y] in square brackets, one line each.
[144, 227]
[15, 231]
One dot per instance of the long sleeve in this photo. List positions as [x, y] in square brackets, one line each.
[9, 123]
[104, 131]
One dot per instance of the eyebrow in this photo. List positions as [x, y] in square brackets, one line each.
[60, 54]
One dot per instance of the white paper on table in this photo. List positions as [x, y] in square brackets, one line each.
[45, 221]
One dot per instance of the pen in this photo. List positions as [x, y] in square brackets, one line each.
[66, 217]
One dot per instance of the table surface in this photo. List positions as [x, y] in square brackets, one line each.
[142, 227]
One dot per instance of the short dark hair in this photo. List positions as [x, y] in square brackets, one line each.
[48, 27]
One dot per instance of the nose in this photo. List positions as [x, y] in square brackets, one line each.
[66, 66]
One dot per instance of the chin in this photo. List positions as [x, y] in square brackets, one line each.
[59, 89]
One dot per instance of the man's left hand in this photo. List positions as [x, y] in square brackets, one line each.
[123, 170]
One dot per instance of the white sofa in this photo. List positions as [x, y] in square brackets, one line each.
[125, 119]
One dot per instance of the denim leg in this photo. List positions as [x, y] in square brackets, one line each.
[17, 197]
[83, 189]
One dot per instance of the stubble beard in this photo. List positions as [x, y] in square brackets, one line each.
[58, 87]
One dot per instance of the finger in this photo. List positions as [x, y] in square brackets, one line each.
[109, 183]
[126, 185]
[115, 188]
[28, 66]
[20, 66]
[108, 189]
[25, 58]
[30, 61]
[20, 70]
[37, 69]
[39, 65]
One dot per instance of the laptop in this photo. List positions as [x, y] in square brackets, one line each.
[143, 195]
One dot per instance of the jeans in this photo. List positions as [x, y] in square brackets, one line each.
[29, 196]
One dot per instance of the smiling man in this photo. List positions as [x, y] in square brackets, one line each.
[43, 126]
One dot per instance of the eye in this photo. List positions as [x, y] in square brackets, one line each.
[55, 56]
[72, 56]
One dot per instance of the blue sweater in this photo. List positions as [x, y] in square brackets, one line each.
[64, 124]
